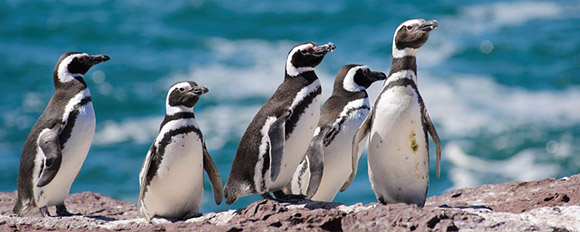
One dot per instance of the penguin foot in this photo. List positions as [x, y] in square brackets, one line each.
[191, 215]
[44, 211]
[267, 196]
[382, 200]
[291, 197]
[279, 194]
[61, 211]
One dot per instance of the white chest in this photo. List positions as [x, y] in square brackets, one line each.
[397, 156]
[177, 187]
[74, 152]
[297, 142]
[338, 154]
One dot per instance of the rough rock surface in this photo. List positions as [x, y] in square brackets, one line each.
[545, 205]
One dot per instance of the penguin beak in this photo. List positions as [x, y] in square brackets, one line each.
[377, 76]
[324, 49]
[199, 90]
[96, 59]
[429, 25]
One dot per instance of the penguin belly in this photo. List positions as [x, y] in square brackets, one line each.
[297, 143]
[338, 158]
[177, 187]
[74, 152]
[398, 157]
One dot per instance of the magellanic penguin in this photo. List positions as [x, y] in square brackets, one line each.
[277, 138]
[329, 158]
[398, 153]
[171, 178]
[59, 141]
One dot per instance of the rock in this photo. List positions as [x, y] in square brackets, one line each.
[545, 205]
[515, 196]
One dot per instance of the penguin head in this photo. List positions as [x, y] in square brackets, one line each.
[355, 77]
[411, 35]
[305, 57]
[184, 95]
[72, 65]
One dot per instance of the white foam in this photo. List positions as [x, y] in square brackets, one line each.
[491, 16]
[465, 104]
[467, 170]
[447, 39]
[223, 122]
[138, 130]
[259, 76]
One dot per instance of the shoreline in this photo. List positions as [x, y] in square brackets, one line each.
[548, 204]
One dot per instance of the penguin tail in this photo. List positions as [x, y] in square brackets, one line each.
[236, 189]
[230, 196]
[23, 207]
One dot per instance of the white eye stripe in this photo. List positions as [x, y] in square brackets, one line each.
[349, 83]
[412, 22]
[183, 85]
[170, 110]
[302, 47]
[294, 71]
[63, 74]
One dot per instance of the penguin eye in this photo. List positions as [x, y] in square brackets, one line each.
[181, 89]
[409, 27]
[365, 71]
[82, 59]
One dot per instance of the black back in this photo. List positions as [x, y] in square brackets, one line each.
[246, 155]
[243, 165]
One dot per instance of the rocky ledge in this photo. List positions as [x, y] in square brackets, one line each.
[545, 205]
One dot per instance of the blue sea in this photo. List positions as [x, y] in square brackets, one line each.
[500, 79]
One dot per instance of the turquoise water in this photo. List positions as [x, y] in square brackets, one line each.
[501, 80]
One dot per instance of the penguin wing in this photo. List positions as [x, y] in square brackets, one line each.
[50, 145]
[360, 135]
[143, 182]
[435, 136]
[214, 176]
[315, 155]
[277, 135]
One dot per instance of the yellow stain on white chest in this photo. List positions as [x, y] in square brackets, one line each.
[413, 138]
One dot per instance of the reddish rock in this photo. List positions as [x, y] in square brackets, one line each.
[515, 196]
[545, 205]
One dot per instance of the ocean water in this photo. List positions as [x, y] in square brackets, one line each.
[501, 79]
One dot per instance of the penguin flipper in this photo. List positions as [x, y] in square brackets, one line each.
[436, 140]
[277, 135]
[214, 176]
[315, 155]
[360, 135]
[143, 182]
[50, 145]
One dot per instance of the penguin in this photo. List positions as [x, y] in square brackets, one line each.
[397, 127]
[323, 172]
[171, 177]
[277, 138]
[59, 141]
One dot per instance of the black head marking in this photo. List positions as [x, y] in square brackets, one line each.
[72, 65]
[413, 33]
[306, 56]
[355, 77]
[185, 93]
